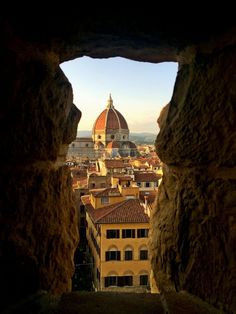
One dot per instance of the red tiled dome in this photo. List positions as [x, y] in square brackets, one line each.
[113, 144]
[110, 118]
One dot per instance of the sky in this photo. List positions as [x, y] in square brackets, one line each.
[139, 89]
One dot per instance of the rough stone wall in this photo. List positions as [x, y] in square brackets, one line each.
[38, 220]
[193, 231]
[194, 223]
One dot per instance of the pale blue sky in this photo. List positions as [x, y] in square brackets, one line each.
[139, 89]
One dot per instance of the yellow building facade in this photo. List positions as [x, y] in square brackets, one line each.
[117, 236]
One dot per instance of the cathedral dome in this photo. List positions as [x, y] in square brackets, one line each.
[110, 119]
[113, 144]
[110, 125]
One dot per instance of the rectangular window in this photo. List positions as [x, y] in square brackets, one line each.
[82, 208]
[110, 281]
[104, 199]
[119, 281]
[143, 255]
[142, 233]
[147, 184]
[128, 233]
[143, 280]
[128, 255]
[113, 234]
[113, 256]
[125, 281]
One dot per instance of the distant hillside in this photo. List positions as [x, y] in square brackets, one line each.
[138, 138]
[84, 133]
[143, 138]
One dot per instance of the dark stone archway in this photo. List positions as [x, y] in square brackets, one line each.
[193, 229]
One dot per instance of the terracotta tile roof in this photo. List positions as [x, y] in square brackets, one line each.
[93, 174]
[128, 211]
[142, 166]
[151, 196]
[123, 176]
[110, 118]
[81, 182]
[123, 123]
[147, 177]
[127, 165]
[142, 159]
[85, 199]
[114, 163]
[113, 144]
[153, 154]
[79, 173]
[105, 192]
[154, 162]
[132, 144]
[100, 122]
[92, 168]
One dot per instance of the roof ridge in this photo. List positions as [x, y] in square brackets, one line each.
[102, 191]
[117, 118]
[118, 205]
[106, 189]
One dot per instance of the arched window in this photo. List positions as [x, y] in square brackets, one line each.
[111, 279]
[112, 254]
[128, 256]
[128, 273]
[126, 279]
[143, 253]
[143, 278]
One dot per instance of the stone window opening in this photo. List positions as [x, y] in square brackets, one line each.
[205, 62]
[113, 254]
[143, 253]
[128, 233]
[113, 234]
[128, 253]
[143, 280]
